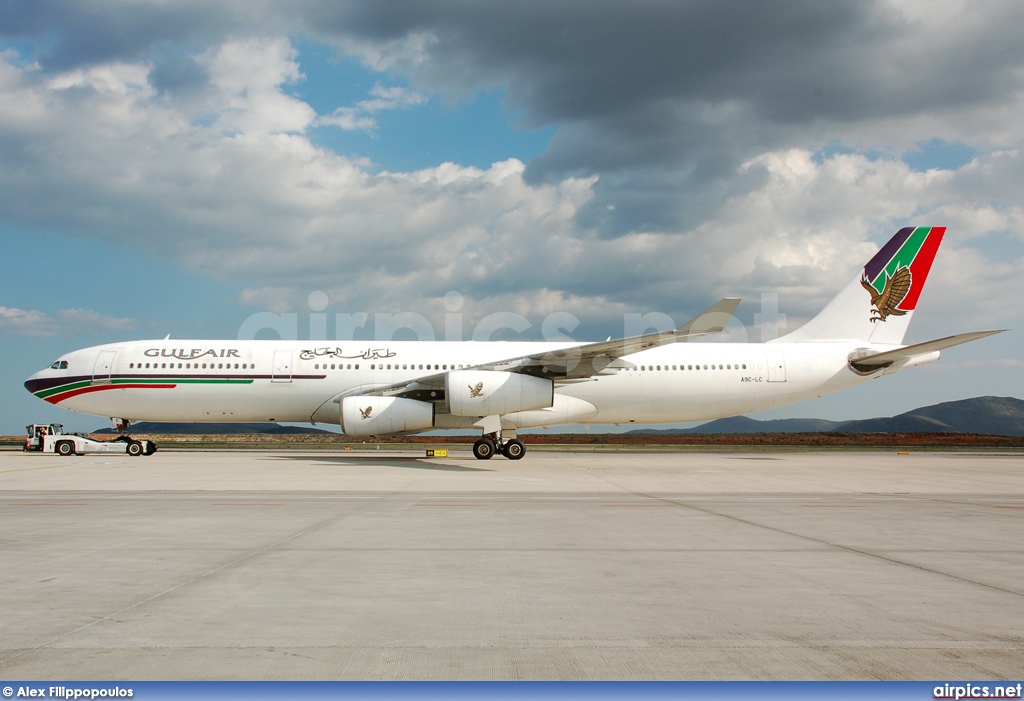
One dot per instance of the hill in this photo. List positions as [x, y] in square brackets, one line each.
[998, 416]
[745, 424]
[995, 416]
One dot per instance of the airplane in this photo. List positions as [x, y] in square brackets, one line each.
[377, 388]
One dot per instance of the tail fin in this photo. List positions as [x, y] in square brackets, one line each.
[877, 305]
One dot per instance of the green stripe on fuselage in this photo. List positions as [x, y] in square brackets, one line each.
[43, 394]
[903, 258]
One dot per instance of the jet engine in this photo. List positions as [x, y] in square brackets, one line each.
[489, 392]
[371, 416]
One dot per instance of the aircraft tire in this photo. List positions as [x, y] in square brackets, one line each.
[150, 448]
[134, 448]
[65, 448]
[483, 449]
[514, 449]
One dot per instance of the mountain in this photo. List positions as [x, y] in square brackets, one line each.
[999, 416]
[745, 424]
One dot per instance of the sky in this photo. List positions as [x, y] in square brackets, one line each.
[194, 168]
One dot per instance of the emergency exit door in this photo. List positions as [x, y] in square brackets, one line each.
[776, 366]
[282, 369]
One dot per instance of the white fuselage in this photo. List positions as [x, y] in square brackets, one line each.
[302, 381]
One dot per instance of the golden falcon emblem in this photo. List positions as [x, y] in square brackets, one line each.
[476, 391]
[884, 302]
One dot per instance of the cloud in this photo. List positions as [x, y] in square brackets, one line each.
[361, 116]
[700, 150]
[22, 322]
[666, 100]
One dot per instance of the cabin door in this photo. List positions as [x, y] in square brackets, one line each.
[104, 363]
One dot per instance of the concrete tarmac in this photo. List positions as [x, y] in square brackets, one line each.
[564, 565]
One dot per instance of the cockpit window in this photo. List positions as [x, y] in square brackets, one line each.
[59, 365]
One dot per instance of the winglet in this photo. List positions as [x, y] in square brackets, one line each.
[711, 320]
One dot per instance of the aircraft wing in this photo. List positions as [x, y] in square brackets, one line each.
[885, 358]
[573, 364]
[585, 361]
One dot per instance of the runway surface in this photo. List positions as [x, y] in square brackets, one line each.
[689, 565]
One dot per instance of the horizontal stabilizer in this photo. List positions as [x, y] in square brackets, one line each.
[876, 360]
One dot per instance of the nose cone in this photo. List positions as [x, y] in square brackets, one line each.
[37, 382]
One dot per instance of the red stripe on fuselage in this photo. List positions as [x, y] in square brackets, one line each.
[57, 398]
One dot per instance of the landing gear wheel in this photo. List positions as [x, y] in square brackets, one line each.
[150, 448]
[514, 449]
[483, 449]
[135, 449]
[65, 448]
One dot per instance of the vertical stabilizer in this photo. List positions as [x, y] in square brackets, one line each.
[877, 305]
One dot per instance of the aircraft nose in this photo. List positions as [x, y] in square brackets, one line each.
[34, 383]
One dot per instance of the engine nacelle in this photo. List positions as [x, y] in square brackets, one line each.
[489, 392]
[373, 416]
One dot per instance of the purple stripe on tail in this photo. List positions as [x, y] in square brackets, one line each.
[882, 258]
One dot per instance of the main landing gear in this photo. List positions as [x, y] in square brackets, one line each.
[486, 447]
